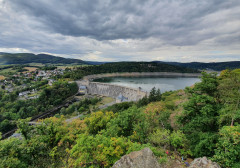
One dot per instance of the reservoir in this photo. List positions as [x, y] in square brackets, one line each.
[147, 83]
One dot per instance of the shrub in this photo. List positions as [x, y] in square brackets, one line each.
[228, 147]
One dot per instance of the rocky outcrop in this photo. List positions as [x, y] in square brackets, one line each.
[203, 163]
[139, 159]
[146, 159]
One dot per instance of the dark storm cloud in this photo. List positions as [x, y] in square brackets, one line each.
[174, 22]
[112, 30]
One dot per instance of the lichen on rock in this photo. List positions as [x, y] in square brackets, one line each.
[138, 159]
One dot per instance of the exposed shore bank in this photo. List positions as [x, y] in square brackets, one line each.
[141, 74]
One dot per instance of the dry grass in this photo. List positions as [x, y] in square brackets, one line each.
[105, 100]
[30, 69]
[2, 77]
[179, 101]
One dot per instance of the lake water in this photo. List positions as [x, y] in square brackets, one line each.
[147, 83]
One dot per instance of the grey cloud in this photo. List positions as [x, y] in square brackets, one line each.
[122, 30]
[171, 21]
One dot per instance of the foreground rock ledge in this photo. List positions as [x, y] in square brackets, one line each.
[146, 159]
[203, 163]
[139, 159]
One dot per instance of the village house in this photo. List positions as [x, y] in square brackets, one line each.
[41, 74]
[51, 81]
[24, 93]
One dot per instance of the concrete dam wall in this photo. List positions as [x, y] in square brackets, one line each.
[114, 91]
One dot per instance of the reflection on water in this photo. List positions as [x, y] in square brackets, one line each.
[147, 83]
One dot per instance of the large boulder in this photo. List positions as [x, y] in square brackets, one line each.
[203, 163]
[139, 159]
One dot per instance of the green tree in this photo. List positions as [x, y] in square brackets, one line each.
[128, 123]
[158, 95]
[229, 93]
[155, 95]
[175, 141]
[143, 102]
[200, 114]
[98, 121]
[208, 85]
[160, 138]
[97, 151]
[24, 128]
[152, 95]
[179, 142]
[10, 154]
[228, 147]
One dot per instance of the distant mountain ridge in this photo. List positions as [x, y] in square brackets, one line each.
[25, 58]
[217, 66]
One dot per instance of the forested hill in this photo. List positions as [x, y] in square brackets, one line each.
[217, 66]
[126, 67]
[25, 58]
[142, 67]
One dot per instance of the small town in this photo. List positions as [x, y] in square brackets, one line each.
[28, 83]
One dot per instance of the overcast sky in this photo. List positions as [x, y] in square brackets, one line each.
[123, 30]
